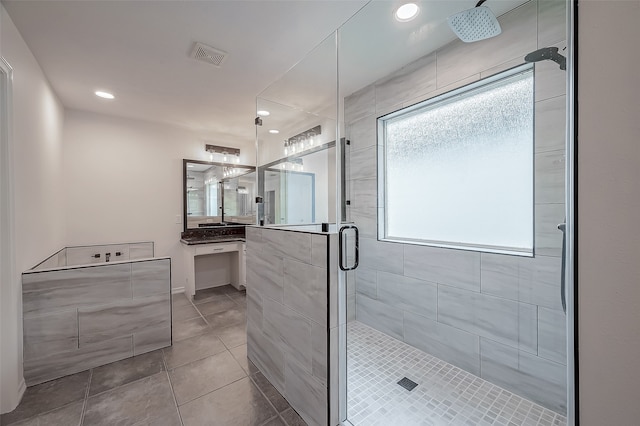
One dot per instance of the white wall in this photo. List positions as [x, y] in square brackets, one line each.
[609, 212]
[39, 225]
[123, 182]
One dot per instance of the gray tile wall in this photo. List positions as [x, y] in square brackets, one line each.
[494, 315]
[84, 255]
[80, 318]
[288, 301]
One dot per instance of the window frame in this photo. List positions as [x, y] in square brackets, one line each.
[382, 217]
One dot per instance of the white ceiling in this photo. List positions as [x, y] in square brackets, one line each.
[139, 50]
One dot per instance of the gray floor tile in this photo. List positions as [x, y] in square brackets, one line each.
[185, 312]
[48, 396]
[233, 336]
[189, 328]
[193, 349]
[276, 421]
[178, 300]
[232, 316]
[238, 296]
[270, 392]
[292, 418]
[203, 376]
[67, 415]
[239, 403]
[241, 301]
[240, 354]
[214, 306]
[126, 371]
[146, 401]
[214, 293]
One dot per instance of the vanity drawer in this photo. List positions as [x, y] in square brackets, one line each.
[216, 248]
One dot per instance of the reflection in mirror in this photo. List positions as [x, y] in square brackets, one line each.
[296, 153]
[299, 189]
[239, 198]
[216, 194]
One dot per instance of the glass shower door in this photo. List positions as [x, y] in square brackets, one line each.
[439, 335]
[293, 263]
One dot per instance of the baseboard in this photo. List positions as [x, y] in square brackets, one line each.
[22, 387]
[177, 290]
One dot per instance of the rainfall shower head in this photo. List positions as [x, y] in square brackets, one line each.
[545, 53]
[475, 24]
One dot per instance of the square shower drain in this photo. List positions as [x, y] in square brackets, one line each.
[408, 384]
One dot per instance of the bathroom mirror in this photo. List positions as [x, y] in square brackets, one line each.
[216, 194]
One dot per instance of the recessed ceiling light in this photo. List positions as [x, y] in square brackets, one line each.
[263, 113]
[105, 95]
[407, 12]
[274, 131]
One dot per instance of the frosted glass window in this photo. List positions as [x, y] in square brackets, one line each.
[458, 169]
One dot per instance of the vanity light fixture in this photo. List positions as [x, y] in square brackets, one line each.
[274, 131]
[407, 12]
[263, 113]
[301, 141]
[104, 95]
[222, 152]
[293, 164]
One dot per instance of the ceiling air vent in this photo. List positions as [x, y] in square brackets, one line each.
[208, 54]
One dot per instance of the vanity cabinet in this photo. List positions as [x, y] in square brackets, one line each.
[213, 265]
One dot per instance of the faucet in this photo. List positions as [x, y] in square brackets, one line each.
[107, 256]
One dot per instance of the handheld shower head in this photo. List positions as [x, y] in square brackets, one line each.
[545, 53]
[475, 24]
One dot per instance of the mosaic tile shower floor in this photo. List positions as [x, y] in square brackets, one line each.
[445, 395]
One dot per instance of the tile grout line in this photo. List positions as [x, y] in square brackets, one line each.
[211, 391]
[278, 414]
[86, 398]
[173, 394]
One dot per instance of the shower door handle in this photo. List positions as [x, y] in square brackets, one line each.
[563, 227]
[342, 252]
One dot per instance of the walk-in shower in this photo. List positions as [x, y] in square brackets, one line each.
[445, 320]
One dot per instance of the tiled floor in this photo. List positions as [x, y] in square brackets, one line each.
[205, 378]
[445, 395]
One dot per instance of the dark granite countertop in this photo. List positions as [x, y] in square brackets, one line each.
[218, 234]
[210, 240]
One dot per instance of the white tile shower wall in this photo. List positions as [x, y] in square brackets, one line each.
[494, 315]
[290, 293]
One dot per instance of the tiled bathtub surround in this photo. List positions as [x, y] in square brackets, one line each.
[204, 378]
[81, 317]
[497, 316]
[290, 314]
[445, 395]
[84, 255]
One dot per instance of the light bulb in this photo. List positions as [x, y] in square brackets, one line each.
[238, 159]
[224, 158]
[407, 12]
[210, 157]
[286, 151]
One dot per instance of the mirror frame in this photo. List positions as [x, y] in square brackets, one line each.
[186, 161]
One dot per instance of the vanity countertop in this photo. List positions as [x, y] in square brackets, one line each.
[211, 239]
[221, 234]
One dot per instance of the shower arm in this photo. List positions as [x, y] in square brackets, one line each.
[547, 53]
